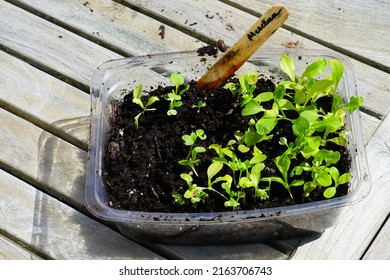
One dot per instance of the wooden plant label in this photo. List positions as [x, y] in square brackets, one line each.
[243, 49]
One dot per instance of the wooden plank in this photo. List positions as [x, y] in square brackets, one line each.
[216, 20]
[359, 223]
[219, 17]
[9, 250]
[66, 52]
[39, 96]
[58, 231]
[380, 248]
[39, 156]
[27, 152]
[226, 252]
[60, 168]
[358, 26]
[116, 26]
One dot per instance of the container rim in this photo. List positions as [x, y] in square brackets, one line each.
[98, 208]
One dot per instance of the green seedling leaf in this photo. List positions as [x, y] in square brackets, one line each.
[252, 108]
[231, 203]
[334, 173]
[312, 146]
[340, 140]
[297, 183]
[308, 187]
[136, 119]
[319, 86]
[243, 80]
[283, 141]
[187, 178]
[330, 192]
[279, 92]
[196, 151]
[172, 97]
[213, 169]
[300, 126]
[177, 79]
[337, 100]
[233, 87]
[283, 164]
[137, 93]
[337, 71]
[354, 103]
[200, 133]
[265, 125]
[285, 104]
[255, 173]
[315, 68]
[251, 138]
[310, 115]
[252, 77]
[287, 65]
[273, 112]
[264, 97]
[194, 191]
[243, 148]
[245, 182]
[178, 198]
[189, 140]
[184, 89]
[227, 179]
[297, 170]
[331, 123]
[330, 157]
[151, 100]
[323, 178]
[172, 112]
[343, 179]
[258, 156]
[262, 193]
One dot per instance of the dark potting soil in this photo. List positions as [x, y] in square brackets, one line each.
[141, 164]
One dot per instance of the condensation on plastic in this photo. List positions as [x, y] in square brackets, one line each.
[113, 78]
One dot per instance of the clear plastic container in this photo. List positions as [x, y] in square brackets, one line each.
[108, 83]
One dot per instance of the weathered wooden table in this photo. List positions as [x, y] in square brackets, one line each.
[48, 50]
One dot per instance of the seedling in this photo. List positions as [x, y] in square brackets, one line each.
[311, 129]
[199, 105]
[189, 140]
[175, 96]
[137, 93]
[236, 168]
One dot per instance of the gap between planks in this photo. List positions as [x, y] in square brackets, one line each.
[307, 35]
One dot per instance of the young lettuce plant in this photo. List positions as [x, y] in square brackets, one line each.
[137, 93]
[174, 97]
[189, 140]
[233, 173]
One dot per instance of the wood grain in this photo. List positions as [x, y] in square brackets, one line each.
[58, 231]
[380, 249]
[360, 26]
[216, 20]
[42, 98]
[58, 167]
[9, 250]
[49, 46]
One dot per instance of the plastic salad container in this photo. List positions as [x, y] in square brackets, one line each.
[108, 84]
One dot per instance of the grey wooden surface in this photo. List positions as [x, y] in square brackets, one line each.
[48, 51]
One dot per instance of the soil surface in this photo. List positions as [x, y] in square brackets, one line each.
[141, 164]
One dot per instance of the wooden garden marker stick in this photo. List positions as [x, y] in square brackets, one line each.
[244, 48]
